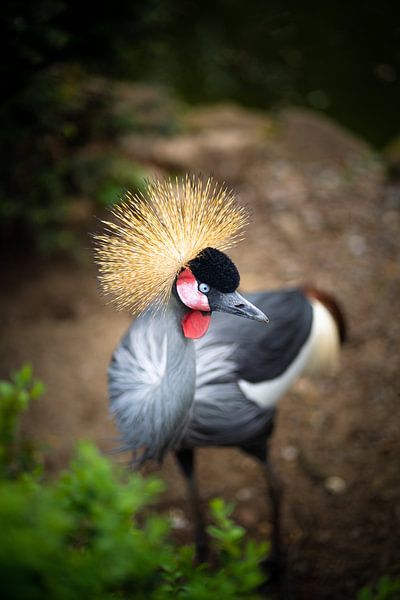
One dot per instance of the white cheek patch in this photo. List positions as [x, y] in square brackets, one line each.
[186, 286]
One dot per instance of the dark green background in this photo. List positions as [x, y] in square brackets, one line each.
[340, 57]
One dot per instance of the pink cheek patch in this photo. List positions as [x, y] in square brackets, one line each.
[186, 286]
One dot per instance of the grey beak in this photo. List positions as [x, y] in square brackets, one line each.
[234, 304]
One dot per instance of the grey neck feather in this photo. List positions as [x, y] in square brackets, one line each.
[152, 382]
[178, 382]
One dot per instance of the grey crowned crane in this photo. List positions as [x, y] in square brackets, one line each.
[162, 257]
[168, 392]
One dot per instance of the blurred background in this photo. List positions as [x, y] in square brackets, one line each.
[295, 105]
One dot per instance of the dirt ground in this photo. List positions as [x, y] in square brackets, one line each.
[322, 214]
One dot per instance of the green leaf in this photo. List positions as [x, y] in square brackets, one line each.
[92, 532]
[24, 376]
[37, 390]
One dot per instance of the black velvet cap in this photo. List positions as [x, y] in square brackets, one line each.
[216, 269]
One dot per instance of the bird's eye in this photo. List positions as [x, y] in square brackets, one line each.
[204, 288]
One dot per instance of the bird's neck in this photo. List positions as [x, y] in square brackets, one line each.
[178, 382]
[175, 314]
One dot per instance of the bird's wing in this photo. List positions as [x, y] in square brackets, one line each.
[226, 418]
[238, 351]
[221, 414]
[264, 352]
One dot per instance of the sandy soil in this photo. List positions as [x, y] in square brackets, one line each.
[322, 214]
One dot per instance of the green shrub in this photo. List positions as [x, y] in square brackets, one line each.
[16, 454]
[56, 135]
[386, 589]
[92, 533]
[103, 177]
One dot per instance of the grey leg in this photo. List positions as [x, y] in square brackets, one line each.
[275, 502]
[185, 459]
[275, 565]
[278, 566]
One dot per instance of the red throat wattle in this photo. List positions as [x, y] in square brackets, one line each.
[196, 322]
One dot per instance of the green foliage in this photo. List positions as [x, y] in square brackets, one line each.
[78, 537]
[58, 134]
[92, 533]
[237, 556]
[16, 455]
[36, 129]
[49, 112]
[386, 589]
[32, 37]
[41, 128]
[103, 177]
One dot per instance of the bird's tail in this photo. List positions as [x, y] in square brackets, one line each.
[329, 332]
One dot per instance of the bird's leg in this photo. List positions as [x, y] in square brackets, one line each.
[185, 459]
[275, 564]
[275, 502]
[278, 567]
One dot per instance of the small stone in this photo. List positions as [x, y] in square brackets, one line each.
[335, 484]
[290, 453]
[356, 244]
[245, 494]
[177, 519]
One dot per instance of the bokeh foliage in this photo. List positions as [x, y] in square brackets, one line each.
[340, 58]
[337, 58]
[92, 532]
[44, 131]
[387, 588]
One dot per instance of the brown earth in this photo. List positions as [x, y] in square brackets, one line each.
[322, 214]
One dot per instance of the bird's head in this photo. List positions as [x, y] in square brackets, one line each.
[166, 240]
[207, 284]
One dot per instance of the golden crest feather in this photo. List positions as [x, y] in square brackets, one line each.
[155, 235]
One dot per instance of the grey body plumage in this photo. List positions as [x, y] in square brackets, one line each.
[145, 393]
[222, 413]
[152, 382]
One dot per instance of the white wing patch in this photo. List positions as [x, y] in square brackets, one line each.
[319, 354]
